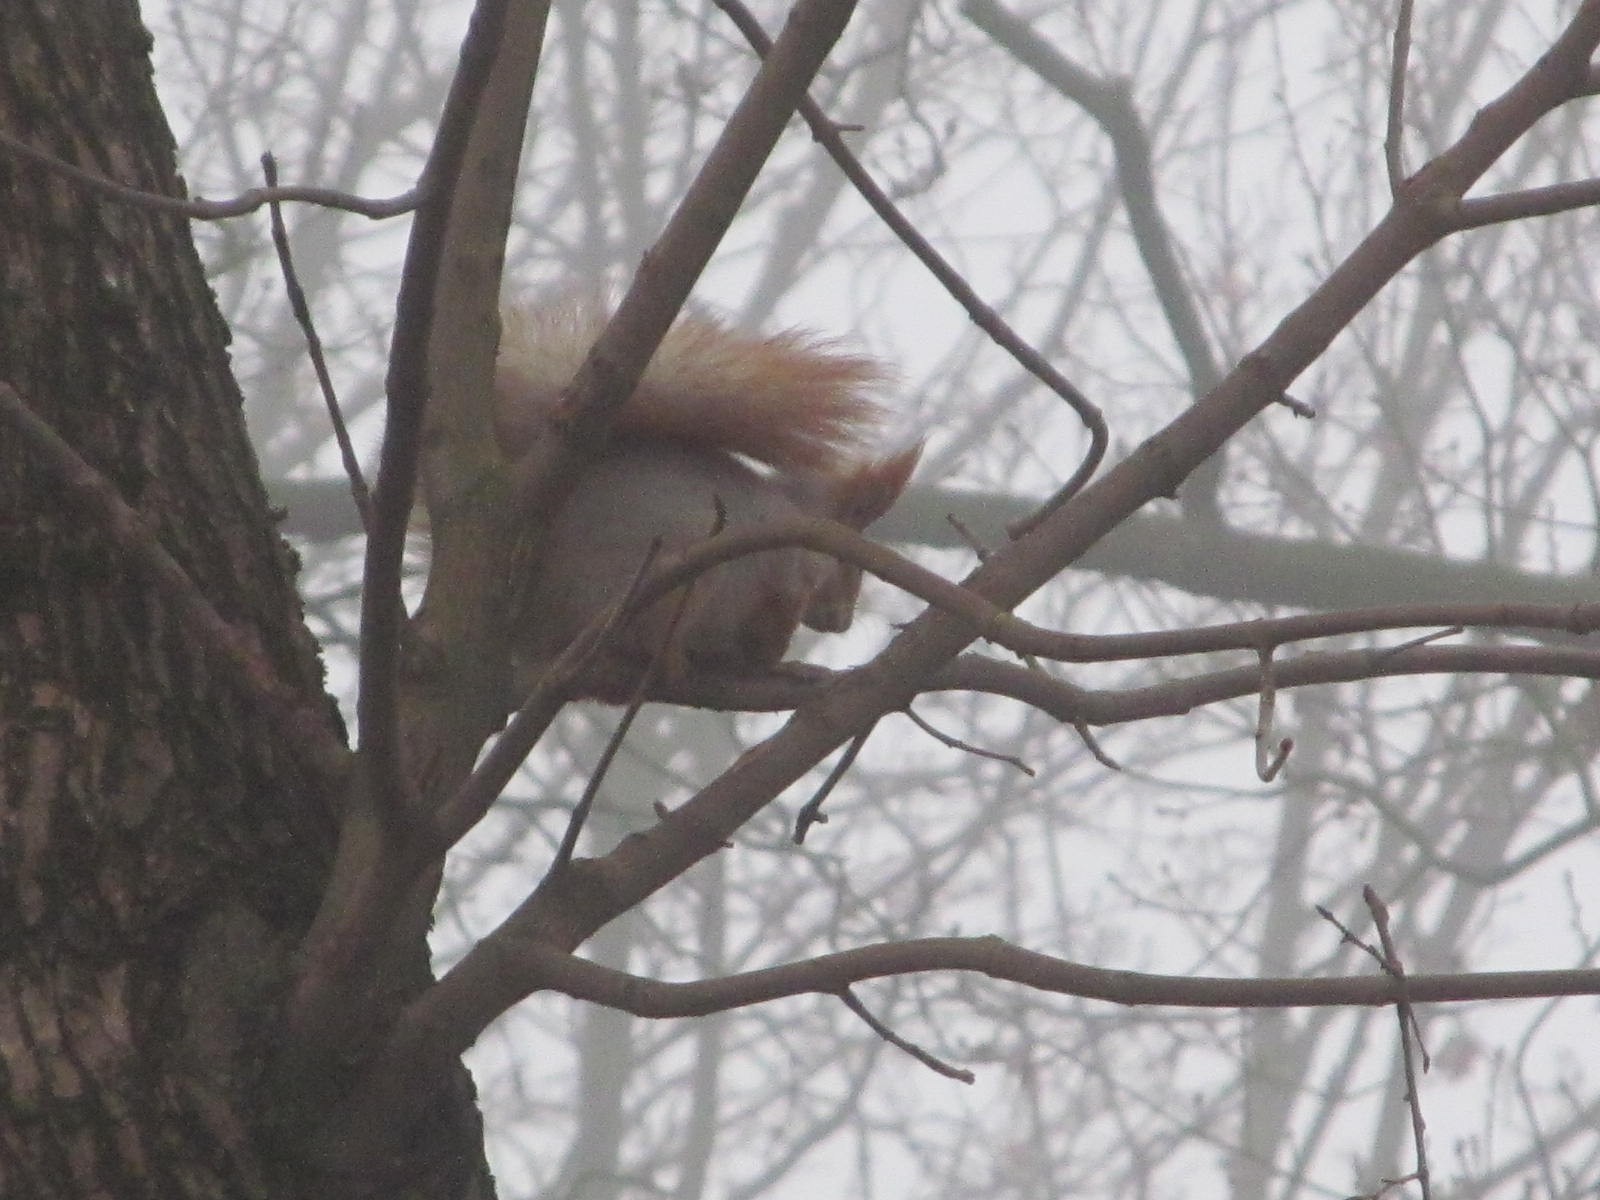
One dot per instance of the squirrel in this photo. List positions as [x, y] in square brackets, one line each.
[725, 429]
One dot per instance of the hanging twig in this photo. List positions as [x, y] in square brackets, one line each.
[319, 362]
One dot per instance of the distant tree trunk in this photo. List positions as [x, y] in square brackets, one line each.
[162, 844]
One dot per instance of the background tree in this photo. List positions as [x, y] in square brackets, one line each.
[1145, 194]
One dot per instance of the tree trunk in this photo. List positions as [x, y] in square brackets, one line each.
[162, 842]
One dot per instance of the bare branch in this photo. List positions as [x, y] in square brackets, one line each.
[1071, 704]
[811, 811]
[1110, 105]
[1269, 758]
[523, 967]
[1394, 138]
[1024, 638]
[319, 362]
[965, 747]
[580, 811]
[1409, 1031]
[983, 316]
[1478, 212]
[672, 265]
[386, 787]
[383, 881]
[217, 210]
[853, 1003]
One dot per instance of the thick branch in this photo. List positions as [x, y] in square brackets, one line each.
[377, 710]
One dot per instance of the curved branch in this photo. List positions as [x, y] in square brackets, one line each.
[992, 623]
[982, 315]
[1071, 704]
[524, 967]
[1109, 103]
[216, 210]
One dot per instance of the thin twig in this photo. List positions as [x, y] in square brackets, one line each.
[811, 812]
[826, 132]
[1438, 635]
[1269, 761]
[1092, 744]
[319, 361]
[1175, 697]
[217, 210]
[965, 533]
[1393, 141]
[463, 810]
[580, 812]
[1410, 1031]
[591, 789]
[936, 1065]
[956, 743]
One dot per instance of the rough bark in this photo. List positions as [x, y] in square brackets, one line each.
[162, 845]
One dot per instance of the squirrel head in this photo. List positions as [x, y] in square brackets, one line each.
[856, 498]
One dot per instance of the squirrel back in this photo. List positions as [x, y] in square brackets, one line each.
[675, 473]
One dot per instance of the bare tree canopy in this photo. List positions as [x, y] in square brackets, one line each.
[1198, 797]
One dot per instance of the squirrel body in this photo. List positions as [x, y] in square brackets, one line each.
[725, 429]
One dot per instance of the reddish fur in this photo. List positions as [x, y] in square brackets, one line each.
[788, 400]
[670, 478]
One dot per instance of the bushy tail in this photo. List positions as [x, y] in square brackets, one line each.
[789, 400]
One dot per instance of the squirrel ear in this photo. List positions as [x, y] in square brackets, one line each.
[869, 491]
